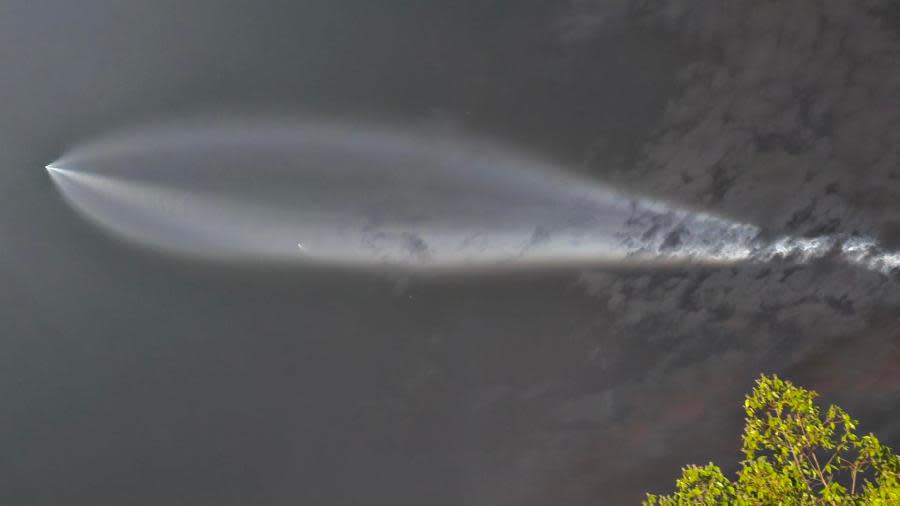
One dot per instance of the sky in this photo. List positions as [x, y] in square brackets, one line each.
[132, 375]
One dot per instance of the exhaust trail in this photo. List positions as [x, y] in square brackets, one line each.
[355, 195]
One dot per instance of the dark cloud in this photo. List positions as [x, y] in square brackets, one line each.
[787, 118]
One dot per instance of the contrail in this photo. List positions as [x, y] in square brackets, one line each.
[342, 194]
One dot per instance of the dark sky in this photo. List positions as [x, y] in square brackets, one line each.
[134, 378]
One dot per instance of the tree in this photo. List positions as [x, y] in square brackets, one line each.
[794, 455]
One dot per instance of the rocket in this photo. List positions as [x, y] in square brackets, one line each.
[337, 193]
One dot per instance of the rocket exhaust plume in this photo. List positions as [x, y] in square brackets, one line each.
[341, 194]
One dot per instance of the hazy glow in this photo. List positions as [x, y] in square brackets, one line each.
[352, 195]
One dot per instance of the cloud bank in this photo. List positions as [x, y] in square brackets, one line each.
[786, 117]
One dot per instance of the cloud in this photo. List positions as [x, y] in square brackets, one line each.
[787, 118]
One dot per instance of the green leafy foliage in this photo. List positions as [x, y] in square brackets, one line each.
[794, 454]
